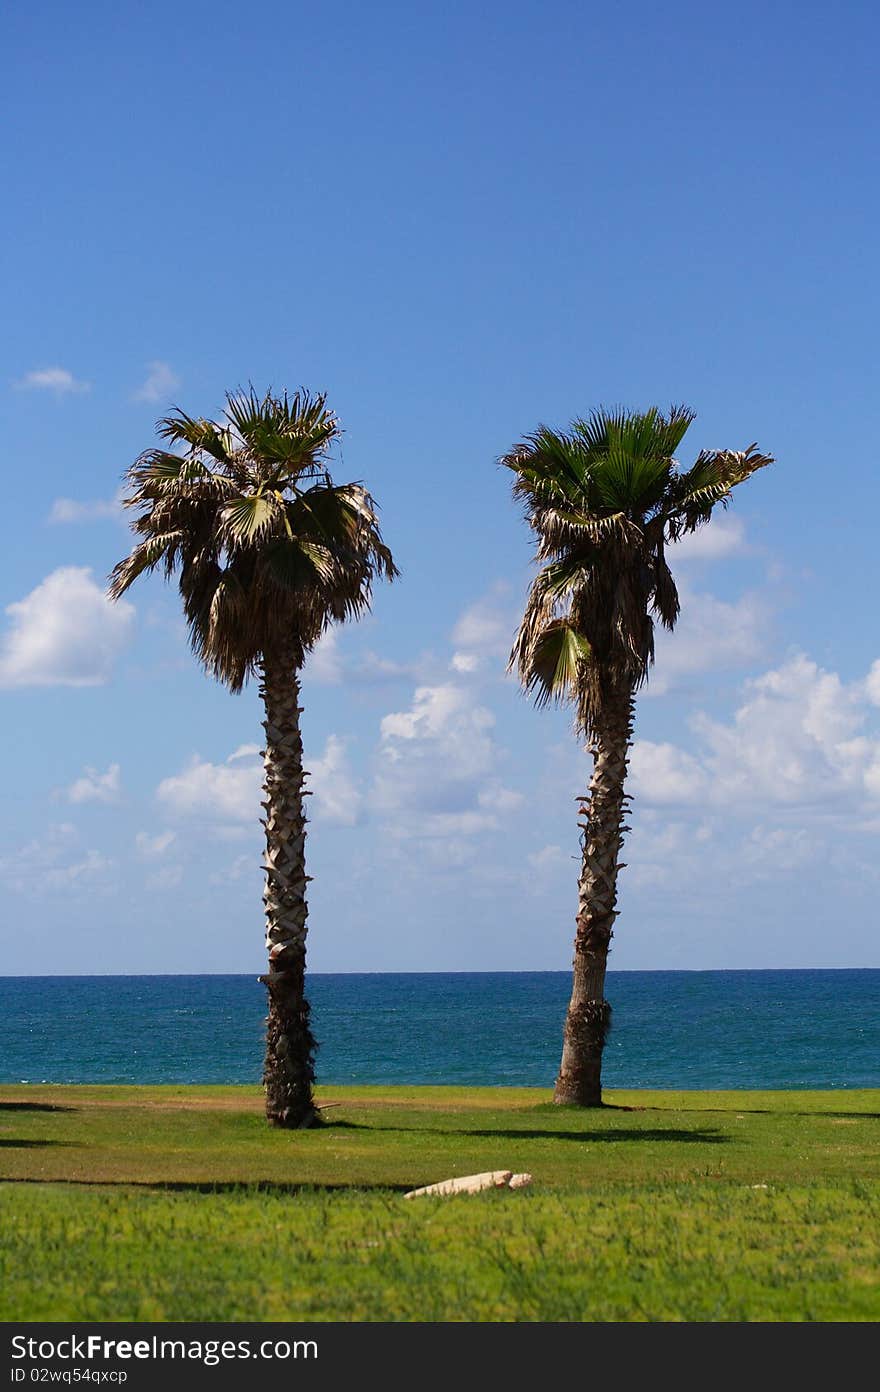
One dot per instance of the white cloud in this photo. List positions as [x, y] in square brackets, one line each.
[93, 786]
[484, 630]
[872, 684]
[711, 635]
[499, 799]
[772, 849]
[66, 632]
[83, 873]
[231, 792]
[658, 850]
[161, 381]
[792, 740]
[723, 536]
[227, 792]
[663, 773]
[54, 379]
[443, 713]
[327, 665]
[335, 793]
[437, 767]
[65, 510]
[373, 670]
[54, 863]
[154, 847]
[324, 663]
[549, 858]
[441, 825]
[464, 662]
[798, 739]
[245, 751]
[237, 869]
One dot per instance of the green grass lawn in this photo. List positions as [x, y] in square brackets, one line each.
[175, 1203]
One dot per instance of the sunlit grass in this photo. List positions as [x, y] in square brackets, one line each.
[179, 1203]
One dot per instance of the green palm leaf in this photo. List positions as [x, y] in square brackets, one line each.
[557, 658]
[251, 516]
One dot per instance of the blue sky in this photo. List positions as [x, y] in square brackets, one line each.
[459, 221]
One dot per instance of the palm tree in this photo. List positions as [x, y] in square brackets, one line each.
[604, 501]
[268, 552]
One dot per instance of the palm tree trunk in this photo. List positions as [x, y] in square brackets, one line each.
[589, 1014]
[289, 1070]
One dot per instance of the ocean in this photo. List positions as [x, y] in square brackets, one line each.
[710, 1029]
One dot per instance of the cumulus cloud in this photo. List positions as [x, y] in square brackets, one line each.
[237, 869]
[549, 858]
[66, 632]
[226, 792]
[93, 786]
[54, 862]
[771, 849]
[795, 738]
[658, 850]
[231, 791]
[499, 798]
[443, 713]
[711, 635]
[53, 379]
[437, 767]
[373, 670]
[663, 773]
[328, 665]
[484, 630]
[160, 382]
[872, 684]
[800, 738]
[324, 662]
[788, 785]
[724, 535]
[245, 751]
[67, 510]
[464, 662]
[154, 847]
[336, 797]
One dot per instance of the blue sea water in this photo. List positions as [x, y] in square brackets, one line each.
[736, 1029]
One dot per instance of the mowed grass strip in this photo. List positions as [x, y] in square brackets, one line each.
[179, 1203]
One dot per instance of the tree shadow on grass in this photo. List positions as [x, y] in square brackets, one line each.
[34, 1107]
[18, 1143]
[705, 1135]
[212, 1186]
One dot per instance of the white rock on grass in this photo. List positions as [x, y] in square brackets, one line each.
[473, 1184]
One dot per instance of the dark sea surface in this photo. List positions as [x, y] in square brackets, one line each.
[737, 1029]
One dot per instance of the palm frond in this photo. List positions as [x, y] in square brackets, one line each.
[709, 481]
[555, 663]
[200, 434]
[664, 599]
[162, 548]
[290, 432]
[249, 517]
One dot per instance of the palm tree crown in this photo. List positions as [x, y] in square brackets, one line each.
[604, 500]
[267, 549]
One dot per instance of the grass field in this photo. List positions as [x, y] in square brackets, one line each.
[174, 1203]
